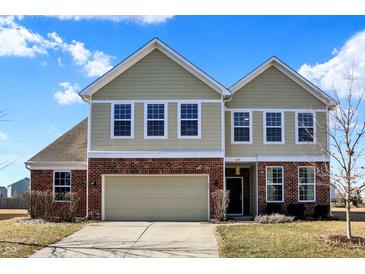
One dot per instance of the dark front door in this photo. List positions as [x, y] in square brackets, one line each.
[234, 186]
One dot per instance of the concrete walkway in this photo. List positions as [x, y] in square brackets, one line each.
[136, 240]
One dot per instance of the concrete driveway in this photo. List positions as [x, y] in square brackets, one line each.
[136, 240]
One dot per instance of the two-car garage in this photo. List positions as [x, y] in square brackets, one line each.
[155, 197]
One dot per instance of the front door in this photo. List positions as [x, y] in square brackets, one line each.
[235, 187]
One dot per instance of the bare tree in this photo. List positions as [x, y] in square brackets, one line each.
[345, 131]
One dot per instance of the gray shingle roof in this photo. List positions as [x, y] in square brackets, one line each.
[70, 147]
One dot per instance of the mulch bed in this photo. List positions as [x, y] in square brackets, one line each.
[343, 241]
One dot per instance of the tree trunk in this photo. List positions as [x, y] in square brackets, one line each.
[348, 220]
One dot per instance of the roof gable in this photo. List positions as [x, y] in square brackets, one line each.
[141, 53]
[291, 74]
[25, 180]
[155, 72]
[70, 147]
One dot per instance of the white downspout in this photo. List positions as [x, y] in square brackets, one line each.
[223, 132]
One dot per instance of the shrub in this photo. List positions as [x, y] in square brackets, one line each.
[273, 219]
[273, 208]
[321, 211]
[220, 200]
[40, 205]
[296, 210]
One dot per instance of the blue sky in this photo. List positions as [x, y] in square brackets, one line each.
[45, 60]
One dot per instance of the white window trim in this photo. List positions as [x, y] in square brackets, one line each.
[282, 127]
[282, 183]
[297, 128]
[112, 136]
[54, 186]
[165, 121]
[314, 185]
[179, 136]
[250, 127]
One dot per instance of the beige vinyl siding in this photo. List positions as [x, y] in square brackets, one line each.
[156, 198]
[273, 89]
[253, 193]
[156, 76]
[289, 148]
[210, 131]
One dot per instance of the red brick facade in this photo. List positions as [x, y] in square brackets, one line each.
[211, 166]
[291, 185]
[42, 180]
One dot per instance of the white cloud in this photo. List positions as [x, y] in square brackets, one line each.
[79, 53]
[98, 64]
[68, 95]
[55, 37]
[138, 19]
[3, 136]
[16, 40]
[95, 63]
[334, 72]
[59, 62]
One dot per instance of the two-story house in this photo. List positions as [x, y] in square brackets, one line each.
[162, 135]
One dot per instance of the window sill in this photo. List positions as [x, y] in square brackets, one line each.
[122, 137]
[155, 137]
[188, 137]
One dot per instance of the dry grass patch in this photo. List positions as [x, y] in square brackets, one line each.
[19, 240]
[290, 240]
[12, 213]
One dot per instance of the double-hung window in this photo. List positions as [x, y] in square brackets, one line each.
[305, 128]
[61, 185]
[274, 128]
[242, 130]
[274, 184]
[189, 120]
[122, 121]
[307, 184]
[155, 120]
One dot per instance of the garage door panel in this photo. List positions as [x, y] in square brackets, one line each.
[156, 198]
[158, 203]
[146, 193]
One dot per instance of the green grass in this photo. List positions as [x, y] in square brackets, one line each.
[19, 240]
[293, 240]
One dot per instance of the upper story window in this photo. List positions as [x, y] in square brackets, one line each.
[61, 185]
[306, 184]
[305, 128]
[123, 124]
[274, 184]
[155, 121]
[242, 128]
[189, 120]
[274, 128]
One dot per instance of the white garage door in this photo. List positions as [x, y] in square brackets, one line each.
[155, 198]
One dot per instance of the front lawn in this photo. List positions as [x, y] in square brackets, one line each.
[12, 213]
[291, 240]
[20, 240]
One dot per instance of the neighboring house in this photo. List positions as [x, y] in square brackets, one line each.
[333, 193]
[162, 135]
[3, 192]
[19, 187]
